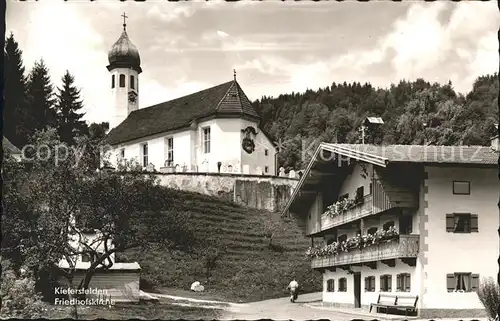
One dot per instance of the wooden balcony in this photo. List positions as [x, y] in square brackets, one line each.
[406, 247]
[359, 211]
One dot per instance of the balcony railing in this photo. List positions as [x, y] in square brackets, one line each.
[406, 246]
[363, 209]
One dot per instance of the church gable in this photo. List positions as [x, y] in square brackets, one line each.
[225, 99]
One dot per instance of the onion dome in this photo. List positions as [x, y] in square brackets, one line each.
[124, 54]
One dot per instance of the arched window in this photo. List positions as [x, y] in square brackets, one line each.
[112, 81]
[330, 285]
[132, 82]
[122, 80]
[343, 285]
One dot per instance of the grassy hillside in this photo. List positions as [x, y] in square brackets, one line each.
[247, 268]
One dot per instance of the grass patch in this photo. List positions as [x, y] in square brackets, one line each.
[249, 267]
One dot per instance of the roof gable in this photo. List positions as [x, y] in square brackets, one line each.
[225, 99]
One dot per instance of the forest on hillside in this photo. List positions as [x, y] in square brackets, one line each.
[414, 112]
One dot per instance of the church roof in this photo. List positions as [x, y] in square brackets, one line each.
[124, 53]
[225, 100]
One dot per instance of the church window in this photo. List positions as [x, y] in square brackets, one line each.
[206, 140]
[145, 155]
[112, 81]
[132, 82]
[122, 80]
[266, 169]
[266, 152]
[170, 151]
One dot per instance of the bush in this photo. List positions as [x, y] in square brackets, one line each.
[489, 294]
[19, 298]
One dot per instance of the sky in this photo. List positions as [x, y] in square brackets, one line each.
[275, 47]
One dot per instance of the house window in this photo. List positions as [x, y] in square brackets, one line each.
[330, 285]
[342, 238]
[359, 193]
[112, 81]
[122, 80]
[122, 153]
[86, 257]
[170, 151]
[388, 225]
[206, 140]
[145, 155]
[342, 285]
[386, 283]
[461, 188]
[266, 152]
[132, 82]
[370, 284]
[462, 223]
[403, 282]
[372, 230]
[266, 169]
[462, 282]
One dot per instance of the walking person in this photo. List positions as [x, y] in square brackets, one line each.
[293, 287]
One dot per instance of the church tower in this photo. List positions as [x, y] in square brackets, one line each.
[124, 68]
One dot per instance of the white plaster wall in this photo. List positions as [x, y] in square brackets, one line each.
[355, 180]
[313, 219]
[121, 105]
[453, 252]
[367, 297]
[257, 161]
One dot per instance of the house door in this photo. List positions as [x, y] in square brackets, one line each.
[357, 289]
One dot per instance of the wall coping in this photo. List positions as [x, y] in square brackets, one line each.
[236, 175]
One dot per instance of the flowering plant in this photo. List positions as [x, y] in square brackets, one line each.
[356, 242]
[340, 207]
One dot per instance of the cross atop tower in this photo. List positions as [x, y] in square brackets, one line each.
[124, 21]
[234, 74]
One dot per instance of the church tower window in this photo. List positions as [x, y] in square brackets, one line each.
[122, 80]
[112, 81]
[132, 82]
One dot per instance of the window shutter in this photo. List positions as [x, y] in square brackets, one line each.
[382, 288]
[366, 284]
[389, 283]
[474, 282]
[372, 285]
[450, 282]
[408, 282]
[450, 223]
[398, 282]
[474, 227]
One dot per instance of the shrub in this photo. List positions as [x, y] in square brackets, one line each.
[489, 294]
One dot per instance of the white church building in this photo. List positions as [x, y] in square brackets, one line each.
[213, 130]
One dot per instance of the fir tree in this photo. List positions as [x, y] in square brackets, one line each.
[16, 116]
[68, 103]
[41, 98]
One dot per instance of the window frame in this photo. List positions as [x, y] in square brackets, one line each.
[472, 282]
[342, 287]
[206, 139]
[455, 192]
[266, 152]
[403, 282]
[145, 154]
[330, 285]
[453, 219]
[370, 283]
[266, 169]
[169, 157]
[122, 81]
[132, 81]
[386, 283]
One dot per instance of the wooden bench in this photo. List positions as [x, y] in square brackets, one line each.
[406, 302]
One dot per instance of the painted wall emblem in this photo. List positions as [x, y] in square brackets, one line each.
[248, 142]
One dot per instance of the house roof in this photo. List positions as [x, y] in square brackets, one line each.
[374, 120]
[10, 147]
[384, 155]
[227, 99]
